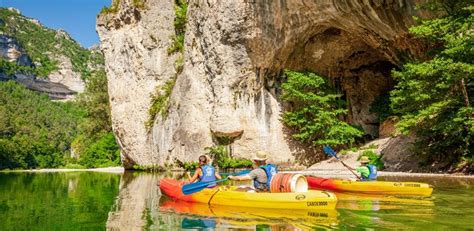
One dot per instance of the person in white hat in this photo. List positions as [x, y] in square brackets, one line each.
[367, 171]
[261, 174]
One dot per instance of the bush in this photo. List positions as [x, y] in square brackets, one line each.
[104, 152]
[374, 159]
[180, 9]
[112, 9]
[222, 159]
[160, 102]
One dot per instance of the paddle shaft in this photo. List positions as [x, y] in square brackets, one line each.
[330, 151]
[355, 174]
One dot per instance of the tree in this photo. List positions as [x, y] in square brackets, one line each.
[434, 98]
[317, 111]
[95, 144]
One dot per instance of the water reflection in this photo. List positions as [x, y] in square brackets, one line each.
[141, 206]
[241, 217]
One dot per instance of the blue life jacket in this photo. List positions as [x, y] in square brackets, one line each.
[372, 173]
[270, 171]
[208, 174]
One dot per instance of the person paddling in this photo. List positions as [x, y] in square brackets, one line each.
[367, 171]
[261, 175]
[205, 172]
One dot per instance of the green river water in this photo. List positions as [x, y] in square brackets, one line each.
[132, 201]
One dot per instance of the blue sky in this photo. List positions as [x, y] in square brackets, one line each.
[77, 17]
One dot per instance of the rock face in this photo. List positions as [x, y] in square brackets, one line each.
[235, 52]
[60, 85]
[19, 44]
[11, 50]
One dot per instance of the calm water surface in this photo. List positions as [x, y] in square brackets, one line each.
[132, 201]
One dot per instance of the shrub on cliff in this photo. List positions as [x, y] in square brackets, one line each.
[317, 111]
[434, 98]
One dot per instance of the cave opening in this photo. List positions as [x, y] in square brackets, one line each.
[360, 72]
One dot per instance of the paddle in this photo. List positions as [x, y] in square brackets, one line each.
[198, 186]
[328, 150]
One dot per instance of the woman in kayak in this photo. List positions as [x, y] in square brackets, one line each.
[205, 172]
[261, 175]
[367, 171]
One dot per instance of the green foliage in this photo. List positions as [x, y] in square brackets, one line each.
[180, 9]
[190, 166]
[381, 107]
[114, 8]
[102, 152]
[179, 64]
[41, 44]
[434, 98]
[95, 144]
[177, 44]
[160, 102]
[95, 100]
[34, 131]
[316, 111]
[374, 159]
[221, 158]
[74, 166]
[140, 4]
[10, 68]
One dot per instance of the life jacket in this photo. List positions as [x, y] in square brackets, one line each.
[372, 173]
[270, 171]
[208, 174]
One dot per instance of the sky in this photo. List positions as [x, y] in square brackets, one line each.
[77, 17]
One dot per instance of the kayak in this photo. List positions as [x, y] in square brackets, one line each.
[380, 187]
[228, 196]
[243, 217]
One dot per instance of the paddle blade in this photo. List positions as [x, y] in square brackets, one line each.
[198, 186]
[329, 151]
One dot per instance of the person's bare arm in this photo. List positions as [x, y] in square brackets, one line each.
[240, 178]
[196, 175]
[218, 176]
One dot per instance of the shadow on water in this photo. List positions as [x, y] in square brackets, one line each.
[132, 201]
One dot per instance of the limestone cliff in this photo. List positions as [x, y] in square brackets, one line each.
[234, 55]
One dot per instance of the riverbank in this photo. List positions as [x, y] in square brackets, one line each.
[346, 174]
[117, 170]
[340, 173]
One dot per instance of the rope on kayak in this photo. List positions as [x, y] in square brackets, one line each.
[209, 202]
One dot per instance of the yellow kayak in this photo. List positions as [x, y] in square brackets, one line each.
[374, 187]
[229, 196]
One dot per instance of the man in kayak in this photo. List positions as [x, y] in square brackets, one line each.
[367, 171]
[261, 175]
[205, 172]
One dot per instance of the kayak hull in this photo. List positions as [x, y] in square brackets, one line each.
[374, 187]
[226, 195]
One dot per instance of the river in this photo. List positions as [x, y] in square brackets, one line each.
[132, 201]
